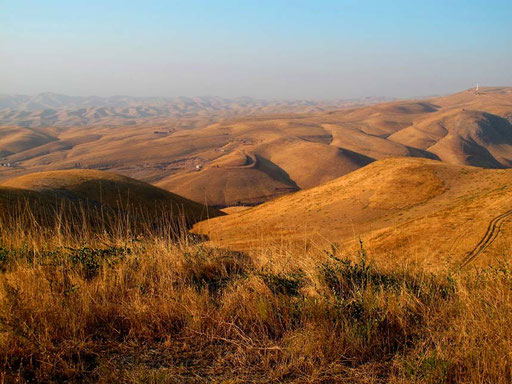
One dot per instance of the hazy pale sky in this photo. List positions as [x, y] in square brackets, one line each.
[324, 49]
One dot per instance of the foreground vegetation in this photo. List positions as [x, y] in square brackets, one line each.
[118, 307]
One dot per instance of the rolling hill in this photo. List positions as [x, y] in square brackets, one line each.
[406, 207]
[247, 160]
[97, 189]
[56, 110]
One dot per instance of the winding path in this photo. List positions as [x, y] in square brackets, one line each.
[493, 230]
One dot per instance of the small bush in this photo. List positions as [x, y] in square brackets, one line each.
[4, 259]
[430, 369]
[212, 268]
[284, 284]
[90, 260]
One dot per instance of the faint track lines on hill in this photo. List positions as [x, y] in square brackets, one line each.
[493, 230]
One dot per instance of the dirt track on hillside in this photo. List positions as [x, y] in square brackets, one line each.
[493, 230]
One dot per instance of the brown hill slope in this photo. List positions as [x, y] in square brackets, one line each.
[18, 139]
[97, 188]
[399, 206]
[255, 158]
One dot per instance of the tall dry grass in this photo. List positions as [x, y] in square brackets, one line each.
[124, 305]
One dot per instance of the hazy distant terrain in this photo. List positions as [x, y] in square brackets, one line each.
[50, 109]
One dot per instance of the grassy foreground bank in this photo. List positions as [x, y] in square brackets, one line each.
[148, 308]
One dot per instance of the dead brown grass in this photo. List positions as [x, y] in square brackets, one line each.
[112, 307]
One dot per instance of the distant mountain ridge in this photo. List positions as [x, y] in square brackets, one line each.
[48, 109]
[47, 100]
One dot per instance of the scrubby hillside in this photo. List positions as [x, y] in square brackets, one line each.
[147, 310]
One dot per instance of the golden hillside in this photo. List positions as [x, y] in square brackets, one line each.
[411, 208]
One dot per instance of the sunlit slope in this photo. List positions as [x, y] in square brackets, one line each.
[264, 166]
[252, 159]
[105, 188]
[400, 206]
[463, 137]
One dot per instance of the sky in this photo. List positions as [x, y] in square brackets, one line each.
[292, 49]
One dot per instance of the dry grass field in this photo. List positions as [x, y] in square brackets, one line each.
[112, 307]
